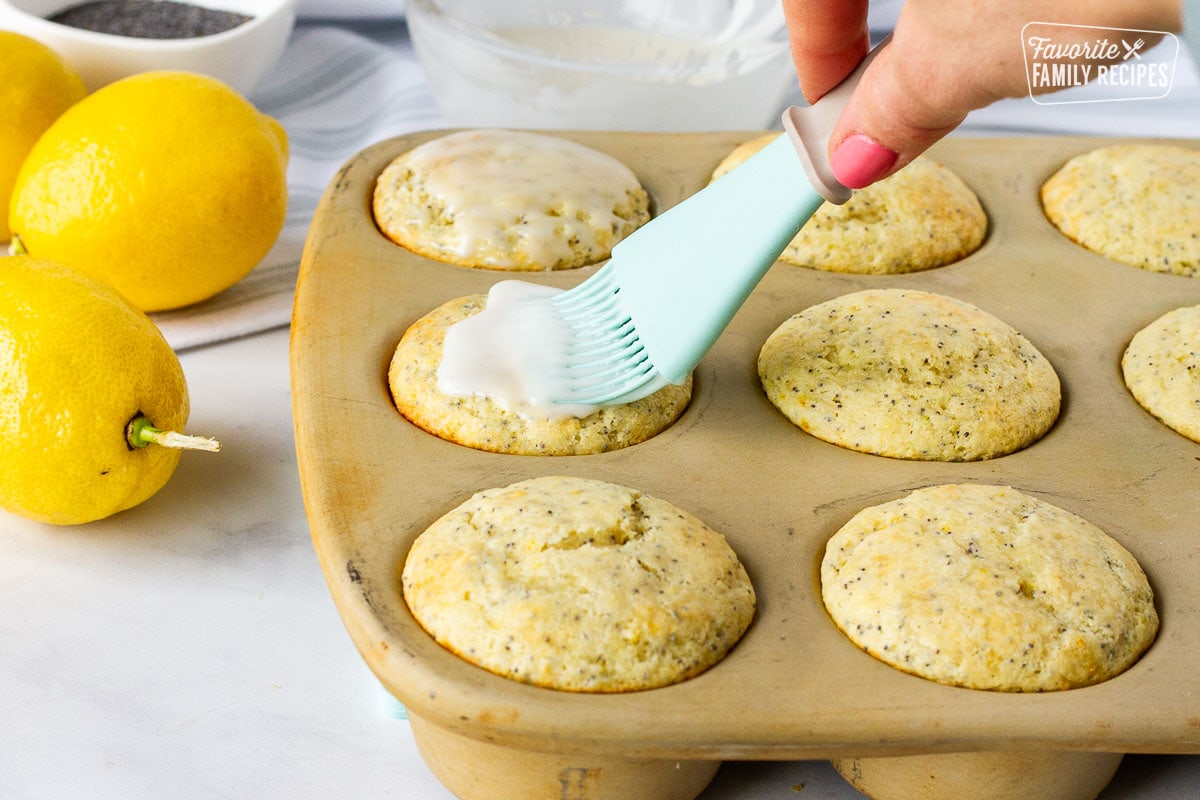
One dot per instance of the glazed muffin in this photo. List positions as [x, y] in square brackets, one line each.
[1161, 367]
[1133, 203]
[484, 423]
[508, 200]
[910, 374]
[986, 587]
[923, 216]
[579, 585]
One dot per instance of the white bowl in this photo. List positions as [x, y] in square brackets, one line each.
[240, 57]
[666, 65]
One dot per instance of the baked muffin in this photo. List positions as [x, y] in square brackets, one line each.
[1137, 204]
[921, 217]
[1161, 367]
[508, 200]
[985, 587]
[580, 585]
[483, 423]
[910, 374]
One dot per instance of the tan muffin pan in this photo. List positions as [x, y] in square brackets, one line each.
[794, 687]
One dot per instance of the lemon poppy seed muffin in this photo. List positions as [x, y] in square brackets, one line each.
[579, 585]
[910, 374]
[484, 424]
[986, 587]
[1137, 204]
[923, 216]
[1161, 367]
[508, 200]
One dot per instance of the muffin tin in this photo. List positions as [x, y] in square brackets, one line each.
[795, 687]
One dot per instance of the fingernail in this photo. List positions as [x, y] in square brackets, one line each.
[860, 161]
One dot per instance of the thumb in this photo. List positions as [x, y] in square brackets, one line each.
[904, 102]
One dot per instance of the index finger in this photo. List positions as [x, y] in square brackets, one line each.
[828, 38]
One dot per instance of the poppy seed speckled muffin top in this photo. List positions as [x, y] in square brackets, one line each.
[986, 587]
[580, 585]
[483, 423]
[508, 200]
[910, 374]
[1161, 367]
[1138, 204]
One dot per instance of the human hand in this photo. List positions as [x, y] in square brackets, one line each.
[946, 58]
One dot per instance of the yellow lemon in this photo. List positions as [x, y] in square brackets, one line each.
[36, 86]
[168, 185]
[86, 383]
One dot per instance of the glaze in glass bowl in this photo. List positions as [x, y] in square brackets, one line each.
[632, 65]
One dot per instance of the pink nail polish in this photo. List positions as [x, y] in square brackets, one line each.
[859, 161]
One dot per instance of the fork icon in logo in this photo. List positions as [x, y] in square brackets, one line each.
[1131, 50]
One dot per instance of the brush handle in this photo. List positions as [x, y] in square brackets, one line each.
[809, 128]
[686, 272]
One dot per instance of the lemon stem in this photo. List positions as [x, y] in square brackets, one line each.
[16, 247]
[140, 432]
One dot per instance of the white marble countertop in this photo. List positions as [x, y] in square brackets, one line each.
[189, 649]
